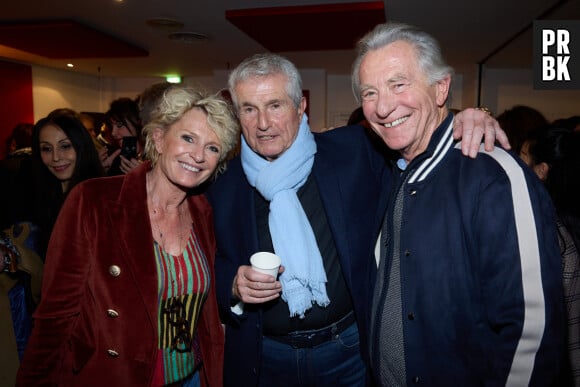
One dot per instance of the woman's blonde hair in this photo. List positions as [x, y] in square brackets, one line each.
[177, 101]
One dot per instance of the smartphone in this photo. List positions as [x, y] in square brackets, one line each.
[129, 147]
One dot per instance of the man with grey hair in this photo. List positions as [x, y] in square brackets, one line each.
[469, 289]
[317, 201]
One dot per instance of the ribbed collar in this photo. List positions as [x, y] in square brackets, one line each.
[440, 143]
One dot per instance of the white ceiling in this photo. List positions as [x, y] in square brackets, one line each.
[469, 32]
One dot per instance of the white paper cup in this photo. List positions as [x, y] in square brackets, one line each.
[265, 262]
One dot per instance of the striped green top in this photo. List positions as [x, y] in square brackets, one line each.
[183, 284]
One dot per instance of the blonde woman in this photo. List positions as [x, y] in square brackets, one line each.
[128, 297]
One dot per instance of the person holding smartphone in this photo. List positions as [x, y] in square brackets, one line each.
[123, 121]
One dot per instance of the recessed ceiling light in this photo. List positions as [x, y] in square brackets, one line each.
[164, 23]
[70, 65]
[188, 37]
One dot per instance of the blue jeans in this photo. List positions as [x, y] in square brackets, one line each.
[335, 363]
[192, 380]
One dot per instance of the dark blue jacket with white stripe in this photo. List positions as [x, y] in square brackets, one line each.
[481, 278]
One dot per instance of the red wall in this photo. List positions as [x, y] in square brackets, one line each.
[15, 99]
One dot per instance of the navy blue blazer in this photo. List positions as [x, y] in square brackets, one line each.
[352, 177]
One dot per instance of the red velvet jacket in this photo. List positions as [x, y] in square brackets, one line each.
[96, 324]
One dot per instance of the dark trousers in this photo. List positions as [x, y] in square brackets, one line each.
[336, 362]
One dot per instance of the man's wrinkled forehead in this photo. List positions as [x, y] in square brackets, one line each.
[271, 84]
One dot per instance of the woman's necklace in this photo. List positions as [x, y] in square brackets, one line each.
[160, 233]
[168, 231]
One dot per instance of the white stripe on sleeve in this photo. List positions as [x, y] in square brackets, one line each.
[534, 318]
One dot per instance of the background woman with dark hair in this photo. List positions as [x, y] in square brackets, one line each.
[63, 155]
[554, 154]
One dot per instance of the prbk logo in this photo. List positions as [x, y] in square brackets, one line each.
[557, 54]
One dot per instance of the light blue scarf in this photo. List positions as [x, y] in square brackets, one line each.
[304, 279]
